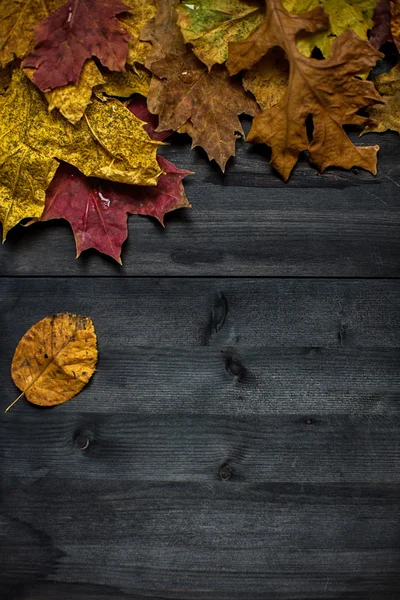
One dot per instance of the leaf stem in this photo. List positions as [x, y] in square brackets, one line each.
[12, 403]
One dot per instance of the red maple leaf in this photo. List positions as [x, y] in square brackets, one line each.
[72, 34]
[97, 210]
[380, 32]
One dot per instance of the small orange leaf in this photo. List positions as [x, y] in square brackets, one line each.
[55, 359]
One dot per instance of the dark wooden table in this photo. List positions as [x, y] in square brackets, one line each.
[240, 439]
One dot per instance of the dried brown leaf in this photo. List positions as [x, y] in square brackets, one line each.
[328, 90]
[205, 104]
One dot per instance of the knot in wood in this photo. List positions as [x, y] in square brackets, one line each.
[82, 442]
[225, 472]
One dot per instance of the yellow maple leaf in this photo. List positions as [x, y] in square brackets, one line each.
[133, 22]
[386, 116]
[55, 359]
[109, 142]
[123, 85]
[73, 99]
[209, 25]
[17, 21]
[343, 15]
[268, 79]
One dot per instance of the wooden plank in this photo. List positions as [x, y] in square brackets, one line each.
[211, 346]
[193, 540]
[242, 313]
[248, 222]
[159, 447]
[240, 439]
[212, 382]
[76, 591]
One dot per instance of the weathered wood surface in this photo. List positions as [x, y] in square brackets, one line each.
[240, 439]
[246, 222]
[110, 539]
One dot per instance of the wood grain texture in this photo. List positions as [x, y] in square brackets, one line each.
[225, 540]
[183, 312]
[247, 222]
[186, 448]
[240, 440]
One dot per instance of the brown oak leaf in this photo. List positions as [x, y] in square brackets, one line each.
[165, 37]
[74, 33]
[163, 33]
[327, 90]
[204, 104]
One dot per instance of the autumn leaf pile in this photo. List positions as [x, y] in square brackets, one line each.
[90, 89]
